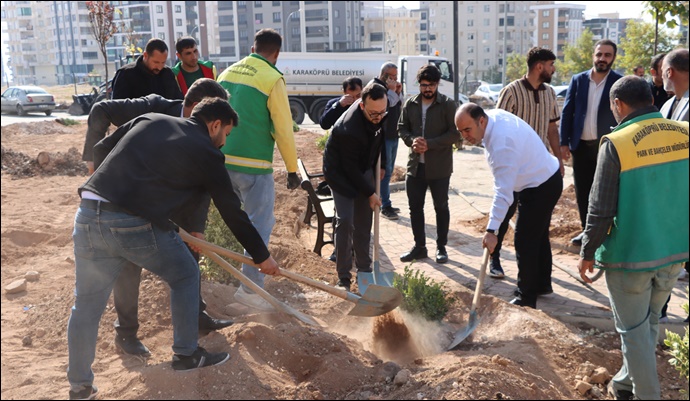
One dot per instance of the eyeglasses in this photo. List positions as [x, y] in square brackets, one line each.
[375, 115]
[424, 86]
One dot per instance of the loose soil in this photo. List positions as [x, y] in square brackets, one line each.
[513, 353]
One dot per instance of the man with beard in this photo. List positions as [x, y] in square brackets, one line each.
[428, 129]
[676, 79]
[536, 104]
[585, 118]
[352, 151]
[147, 75]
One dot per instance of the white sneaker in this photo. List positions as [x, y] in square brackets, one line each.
[252, 300]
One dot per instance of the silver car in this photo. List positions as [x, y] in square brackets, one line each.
[24, 99]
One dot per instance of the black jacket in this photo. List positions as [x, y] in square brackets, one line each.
[331, 113]
[352, 149]
[118, 112]
[390, 123]
[155, 164]
[135, 80]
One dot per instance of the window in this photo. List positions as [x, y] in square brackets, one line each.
[376, 37]
[84, 42]
[242, 18]
[487, 62]
[161, 36]
[545, 24]
[160, 22]
[24, 11]
[178, 9]
[487, 8]
[159, 9]
[257, 4]
[470, 49]
[276, 3]
[470, 22]
[295, 31]
[241, 4]
[423, 16]
[179, 35]
[258, 18]
[443, 11]
[470, 9]
[276, 17]
[422, 26]
[487, 49]
[487, 35]
[337, 30]
[470, 36]
[511, 21]
[89, 55]
[336, 13]
[546, 13]
[243, 33]
[545, 36]
[178, 22]
[487, 22]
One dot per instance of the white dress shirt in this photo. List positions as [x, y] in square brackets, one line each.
[596, 90]
[517, 158]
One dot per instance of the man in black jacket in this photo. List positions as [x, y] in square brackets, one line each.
[352, 90]
[352, 150]
[147, 75]
[192, 217]
[151, 166]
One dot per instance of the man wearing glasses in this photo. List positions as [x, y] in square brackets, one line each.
[349, 160]
[427, 127]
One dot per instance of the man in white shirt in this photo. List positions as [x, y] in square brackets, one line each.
[521, 164]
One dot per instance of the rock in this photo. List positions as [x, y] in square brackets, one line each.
[43, 159]
[40, 332]
[582, 387]
[364, 395]
[16, 287]
[600, 376]
[586, 369]
[32, 276]
[27, 341]
[595, 392]
[497, 359]
[387, 371]
[402, 377]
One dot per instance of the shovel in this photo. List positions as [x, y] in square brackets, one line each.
[377, 300]
[376, 277]
[474, 319]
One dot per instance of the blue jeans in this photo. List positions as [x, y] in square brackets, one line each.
[636, 301]
[104, 243]
[257, 194]
[391, 152]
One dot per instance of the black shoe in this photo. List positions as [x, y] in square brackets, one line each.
[332, 257]
[199, 359]
[132, 346]
[619, 394]
[344, 283]
[416, 253]
[441, 254]
[395, 209]
[87, 393]
[520, 301]
[577, 240]
[495, 269]
[389, 213]
[207, 323]
[545, 291]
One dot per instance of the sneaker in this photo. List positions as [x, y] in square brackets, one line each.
[389, 213]
[252, 300]
[131, 345]
[416, 253]
[344, 283]
[395, 209]
[495, 269]
[663, 319]
[619, 394]
[199, 359]
[86, 393]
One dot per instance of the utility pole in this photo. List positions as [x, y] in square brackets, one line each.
[456, 56]
[505, 37]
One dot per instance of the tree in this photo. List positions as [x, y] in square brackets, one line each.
[577, 58]
[493, 74]
[516, 66]
[638, 45]
[660, 10]
[103, 27]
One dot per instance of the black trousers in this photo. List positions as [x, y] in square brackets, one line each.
[416, 193]
[504, 226]
[584, 166]
[126, 299]
[532, 245]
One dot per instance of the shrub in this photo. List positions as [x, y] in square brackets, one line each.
[679, 350]
[421, 295]
[67, 121]
[217, 232]
[321, 142]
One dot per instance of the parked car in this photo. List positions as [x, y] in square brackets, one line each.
[24, 99]
[560, 90]
[489, 91]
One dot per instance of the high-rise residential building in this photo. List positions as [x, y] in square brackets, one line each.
[306, 26]
[421, 16]
[390, 30]
[482, 27]
[557, 25]
[607, 26]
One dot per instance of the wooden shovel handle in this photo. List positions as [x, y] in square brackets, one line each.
[480, 280]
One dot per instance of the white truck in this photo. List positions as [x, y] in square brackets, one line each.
[314, 78]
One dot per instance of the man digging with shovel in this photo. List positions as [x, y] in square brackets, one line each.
[154, 164]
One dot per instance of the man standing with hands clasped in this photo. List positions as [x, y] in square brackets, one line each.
[637, 227]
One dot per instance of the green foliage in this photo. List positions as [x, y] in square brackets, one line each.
[668, 13]
[516, 67]
[67, 121]
[295, 127]
[577, 58]
[217, 232]
[678, 349]
[637, 47]
[321, 142]
[421, 295]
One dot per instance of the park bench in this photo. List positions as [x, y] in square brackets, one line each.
[320, 206]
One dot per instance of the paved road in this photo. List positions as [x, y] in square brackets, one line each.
[8, 119]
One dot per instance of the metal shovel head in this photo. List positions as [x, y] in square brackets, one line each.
[461, 335]
[376, 277]
[376, 301]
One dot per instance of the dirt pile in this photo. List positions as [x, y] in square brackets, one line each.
[19, 165]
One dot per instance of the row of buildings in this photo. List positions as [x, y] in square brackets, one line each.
[50, 42]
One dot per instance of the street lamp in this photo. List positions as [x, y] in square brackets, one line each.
[196, 28]
[286, 30]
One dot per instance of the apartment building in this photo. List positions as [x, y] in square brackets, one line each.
[557, 25]
[607, 26]
[390, 30]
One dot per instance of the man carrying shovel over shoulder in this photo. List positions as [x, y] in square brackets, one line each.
[154, 164]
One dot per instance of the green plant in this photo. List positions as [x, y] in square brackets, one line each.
[217, 232]
[422, 295]
[678, 349]
[321, 142]
[67, 121]
[295, 127]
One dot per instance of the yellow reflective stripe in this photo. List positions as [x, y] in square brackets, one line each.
[245, 162]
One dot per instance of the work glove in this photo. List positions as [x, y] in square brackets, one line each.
[292, 181]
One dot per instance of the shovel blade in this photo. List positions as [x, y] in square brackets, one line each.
[464, 333]
[364, 280]
[376, 301]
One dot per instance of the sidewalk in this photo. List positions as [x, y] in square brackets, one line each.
[471, 194]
